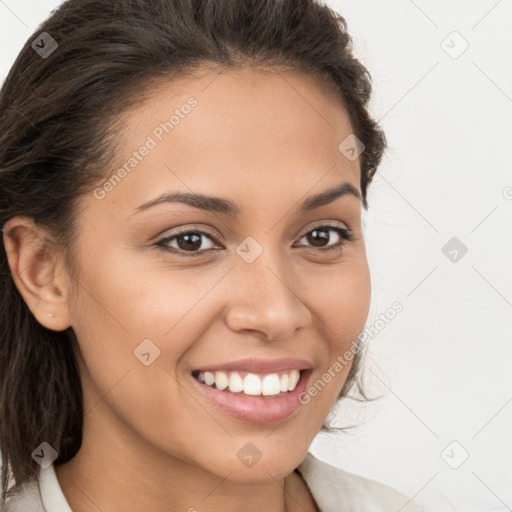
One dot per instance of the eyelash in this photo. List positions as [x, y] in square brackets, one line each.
[344, 233]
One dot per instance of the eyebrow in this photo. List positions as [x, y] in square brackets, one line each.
[227, 207]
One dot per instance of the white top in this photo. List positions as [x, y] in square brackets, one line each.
[333, 489]
[51, 494]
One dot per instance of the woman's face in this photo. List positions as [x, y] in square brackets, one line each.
[254, 291]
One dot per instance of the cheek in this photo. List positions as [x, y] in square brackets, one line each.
[133, 300]
[341, 303]
[124, 315]
[130, 316]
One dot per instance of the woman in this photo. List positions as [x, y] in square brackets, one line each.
[181, 193]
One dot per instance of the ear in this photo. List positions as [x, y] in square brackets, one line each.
[38, 271]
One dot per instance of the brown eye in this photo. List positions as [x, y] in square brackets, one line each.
[191, 242]
[320, 236]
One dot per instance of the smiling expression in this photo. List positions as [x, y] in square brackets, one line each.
[231, 270]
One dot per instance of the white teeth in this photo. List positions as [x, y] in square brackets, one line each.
[270, 385]
[221, 380]
[252, 384]
[294, 378]
[284, 382]
[236, 384]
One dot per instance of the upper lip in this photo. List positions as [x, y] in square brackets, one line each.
[259, 365]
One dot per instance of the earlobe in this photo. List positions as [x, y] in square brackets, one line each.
[36, 270]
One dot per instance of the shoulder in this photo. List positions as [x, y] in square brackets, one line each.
[332, 486]
[26, 498]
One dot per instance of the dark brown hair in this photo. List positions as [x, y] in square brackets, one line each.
[59, 128]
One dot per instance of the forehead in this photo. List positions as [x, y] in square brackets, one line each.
[233, 130]
[246, 91]
[268, 102]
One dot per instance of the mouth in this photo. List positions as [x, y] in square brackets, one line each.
[250, 384]
[254, 392]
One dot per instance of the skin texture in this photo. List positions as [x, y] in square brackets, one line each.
[151, 441]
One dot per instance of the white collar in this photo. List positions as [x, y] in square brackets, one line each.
[51, 493]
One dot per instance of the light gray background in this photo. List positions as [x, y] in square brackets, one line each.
[444, 362]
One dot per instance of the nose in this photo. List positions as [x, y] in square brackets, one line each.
[265, 297]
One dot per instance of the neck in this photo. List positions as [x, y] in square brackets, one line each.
[119, 472]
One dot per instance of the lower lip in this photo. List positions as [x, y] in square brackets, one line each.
[256, 409]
